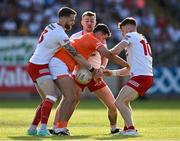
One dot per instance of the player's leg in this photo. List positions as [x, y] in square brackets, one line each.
[67, 105]
[126, 95]
[37, 117]
[63, 80]
[41, 76]
[62, 77]
[46, 89]
[136, 86]
[107, 98]
[102, 91]
[46, 85]
[56, 117]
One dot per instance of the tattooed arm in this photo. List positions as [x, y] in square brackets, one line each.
[78, 57]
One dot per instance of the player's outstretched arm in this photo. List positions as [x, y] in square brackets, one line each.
[104, 62]
[119, 47]
[120, 72]
[116, 59]
[77, 57]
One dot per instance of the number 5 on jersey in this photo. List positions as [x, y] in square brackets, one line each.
[42, 36]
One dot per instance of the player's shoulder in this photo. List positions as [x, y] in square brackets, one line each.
[90, 37]
[133, 35]
[127, 36]
[80, 33]
[55, 27]
[59, 31]
[76, 35]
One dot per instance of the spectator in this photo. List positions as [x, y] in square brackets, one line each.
[25, 17]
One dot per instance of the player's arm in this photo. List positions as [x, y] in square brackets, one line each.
[119, 47]
[120, 72]
[116, 59]
[104, 62]
[77, 57]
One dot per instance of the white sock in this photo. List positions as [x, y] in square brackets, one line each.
[54, 127]
[33, 127]
[113, 127]
[56, 130]
[43, 127]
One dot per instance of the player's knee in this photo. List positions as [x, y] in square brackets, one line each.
[112, 108]
[71, 98]
[116, 103]
[119, 103]
[77, 98]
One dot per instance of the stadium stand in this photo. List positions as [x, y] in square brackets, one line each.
[26, 17]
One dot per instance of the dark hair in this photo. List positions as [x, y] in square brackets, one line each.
[103, 28]
[66, 12]
[88, 13]
[128, 20]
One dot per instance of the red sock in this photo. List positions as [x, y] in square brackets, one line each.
[37, 117]
[46, 110]
[131, 127]
[125, 128]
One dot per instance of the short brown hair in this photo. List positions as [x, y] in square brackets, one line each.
[128, 20]
[88, 13]
[103, 28]
[66, 12]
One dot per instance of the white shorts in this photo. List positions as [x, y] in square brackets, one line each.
[58, 68]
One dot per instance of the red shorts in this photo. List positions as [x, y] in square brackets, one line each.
[140, 83]
[92, 85]
[35, 71]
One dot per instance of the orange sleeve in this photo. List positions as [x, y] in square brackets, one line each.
[86, 45]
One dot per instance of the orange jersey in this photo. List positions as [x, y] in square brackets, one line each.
[85, 45]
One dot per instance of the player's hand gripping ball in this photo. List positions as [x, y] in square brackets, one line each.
[83, 76]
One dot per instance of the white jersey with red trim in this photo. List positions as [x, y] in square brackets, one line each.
[95, 59]
[76, 35]
[52, 38]
[139, 54]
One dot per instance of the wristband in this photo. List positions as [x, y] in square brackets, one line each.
[114, 72]
[91, 69]
[103, 67]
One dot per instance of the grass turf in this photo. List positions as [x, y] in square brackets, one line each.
[155, 120]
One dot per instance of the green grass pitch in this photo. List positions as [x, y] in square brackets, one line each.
[155, 119]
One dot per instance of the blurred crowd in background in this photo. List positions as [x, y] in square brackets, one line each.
[158, 20]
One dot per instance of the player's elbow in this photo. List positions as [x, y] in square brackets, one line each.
[113, 52]
[128, 67]
[109, 55]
